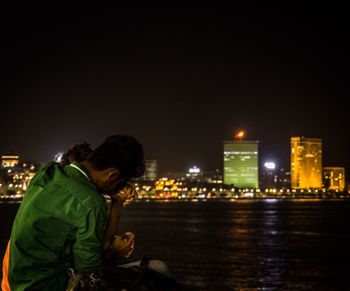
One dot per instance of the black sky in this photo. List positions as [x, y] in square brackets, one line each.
[180, 78]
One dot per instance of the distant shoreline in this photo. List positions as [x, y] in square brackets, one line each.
[171, 200]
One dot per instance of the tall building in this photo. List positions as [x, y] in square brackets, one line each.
[283, 179]
[334, 178]
[306, 163]
[268, 176]
[151, 170]
[241, 163]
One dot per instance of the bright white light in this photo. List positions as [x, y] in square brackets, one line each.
[194, 170]
[270, 165]
[270, 200]
[58, 157]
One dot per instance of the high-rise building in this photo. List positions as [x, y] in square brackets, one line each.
[283, 179]
[241, 163]
[151, 169]
[306, 163]
[334, 178]
[268, 176]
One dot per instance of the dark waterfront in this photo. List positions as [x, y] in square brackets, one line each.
[240, 245]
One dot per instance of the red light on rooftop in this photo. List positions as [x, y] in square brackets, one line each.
[239, 135]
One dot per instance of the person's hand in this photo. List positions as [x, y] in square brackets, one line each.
[125, 196]
[124, 244]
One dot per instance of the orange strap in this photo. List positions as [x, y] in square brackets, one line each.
[5, 286]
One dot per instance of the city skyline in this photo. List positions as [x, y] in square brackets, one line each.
[241, 172]
[228, 145]
[180, 78]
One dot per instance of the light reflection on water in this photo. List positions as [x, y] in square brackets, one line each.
[248, 245]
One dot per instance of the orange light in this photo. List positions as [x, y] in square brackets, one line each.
[239, 135]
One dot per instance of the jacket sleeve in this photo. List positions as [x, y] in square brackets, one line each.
[87, 248]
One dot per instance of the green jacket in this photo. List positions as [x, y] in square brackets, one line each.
[59, 225]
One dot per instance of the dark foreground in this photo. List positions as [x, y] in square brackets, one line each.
[264, 245]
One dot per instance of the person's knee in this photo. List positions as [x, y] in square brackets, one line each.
[159, 267]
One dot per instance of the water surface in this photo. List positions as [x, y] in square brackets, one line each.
[248, 245]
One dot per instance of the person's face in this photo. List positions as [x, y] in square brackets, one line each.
[110, 181]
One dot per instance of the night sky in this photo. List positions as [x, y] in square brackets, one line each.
[180, 78]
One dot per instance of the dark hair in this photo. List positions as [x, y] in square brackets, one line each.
[76, 153]
[122, 152]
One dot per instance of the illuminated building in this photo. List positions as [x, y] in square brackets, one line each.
[194, 174]
[274, 178]
[283, 179]
[334, 178]
[18, 178]
[166, 188]
[9, 161]
[214, 177]
[241, 163]
[268, 176]
[151, 169]
[22, 176]
[306, 163]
